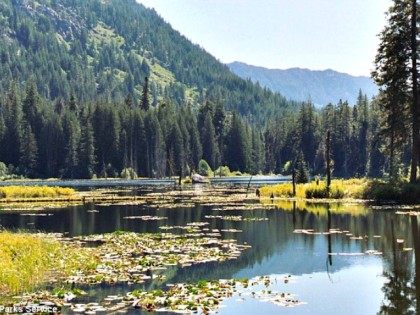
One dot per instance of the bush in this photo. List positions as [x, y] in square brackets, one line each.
[222, 171]
[287, 168]
[399, 191]
[204, 168]
[4, 171]
[128, 173]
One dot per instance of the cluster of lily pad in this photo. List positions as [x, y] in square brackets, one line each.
[134, 258]
[203, 296]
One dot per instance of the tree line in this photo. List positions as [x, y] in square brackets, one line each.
[68, 139]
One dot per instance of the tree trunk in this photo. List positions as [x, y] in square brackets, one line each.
[328, 159]
[415, 111]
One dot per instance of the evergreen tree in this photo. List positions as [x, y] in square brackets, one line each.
[210, 149]
[28, 151]
[392, 74]
[13, 121]
[238, 148]
[87, 160]
[145, 103]
[176, 151]
[71, 132]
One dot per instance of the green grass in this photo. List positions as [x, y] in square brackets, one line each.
[103, 33]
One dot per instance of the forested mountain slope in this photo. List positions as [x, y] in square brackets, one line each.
[106, 48]
[322, 87]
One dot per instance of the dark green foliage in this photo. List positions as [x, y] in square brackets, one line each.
[239, 145]
[302, 173]
[87, 158]
[145, 103]
[396, 191]
[393, 73]
[208, 136]
[28, 152]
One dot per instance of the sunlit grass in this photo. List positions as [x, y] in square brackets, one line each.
[28, 261]
[35, 192]
[349, 188]
[355, 188]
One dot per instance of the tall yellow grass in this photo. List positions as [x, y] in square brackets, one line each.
[28, 261]
[24, 261]
[34, 192]
[340, 188]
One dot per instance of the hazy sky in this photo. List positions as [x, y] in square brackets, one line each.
[314, 34]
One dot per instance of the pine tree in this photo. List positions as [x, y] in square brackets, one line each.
[87, 160]
[176, 151]
[239, 146]
[28, 151]
[71, 132]
[13, 120]
[145, 103]
[391, 74]
[210, 149]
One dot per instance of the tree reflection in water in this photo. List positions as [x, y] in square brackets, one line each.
[400, 289]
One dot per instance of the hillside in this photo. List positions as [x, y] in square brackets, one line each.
[106, 48]
[322, 87]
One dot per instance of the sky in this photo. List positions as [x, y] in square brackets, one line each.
[314, 34]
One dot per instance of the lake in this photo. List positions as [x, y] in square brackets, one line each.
[367, 263]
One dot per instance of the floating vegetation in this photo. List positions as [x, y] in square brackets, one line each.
[410, 213]
[202, 296]
[145, 218]
[231, 231]
[36, 214]
[368, 252]
[134, 258]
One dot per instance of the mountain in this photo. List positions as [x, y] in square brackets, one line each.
[106, 48]
[322, 87]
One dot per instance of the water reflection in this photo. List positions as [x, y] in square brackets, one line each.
[384, 284]
[401, 269]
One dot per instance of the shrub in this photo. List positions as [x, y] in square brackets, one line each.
[222, 171]
[204, 168]
[4, 171]
[128, 173]
[398, 191]
[287, 168]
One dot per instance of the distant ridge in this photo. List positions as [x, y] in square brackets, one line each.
[322, 87]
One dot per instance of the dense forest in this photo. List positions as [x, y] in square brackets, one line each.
[70, 139]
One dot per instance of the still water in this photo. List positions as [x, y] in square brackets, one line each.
[328, 284]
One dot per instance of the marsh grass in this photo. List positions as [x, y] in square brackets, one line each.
[350, 188]
[355, 188]
[35, 192]
[29, 261]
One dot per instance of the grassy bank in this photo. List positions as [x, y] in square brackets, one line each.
[364, 189]
[35, 192]
[28, 261]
